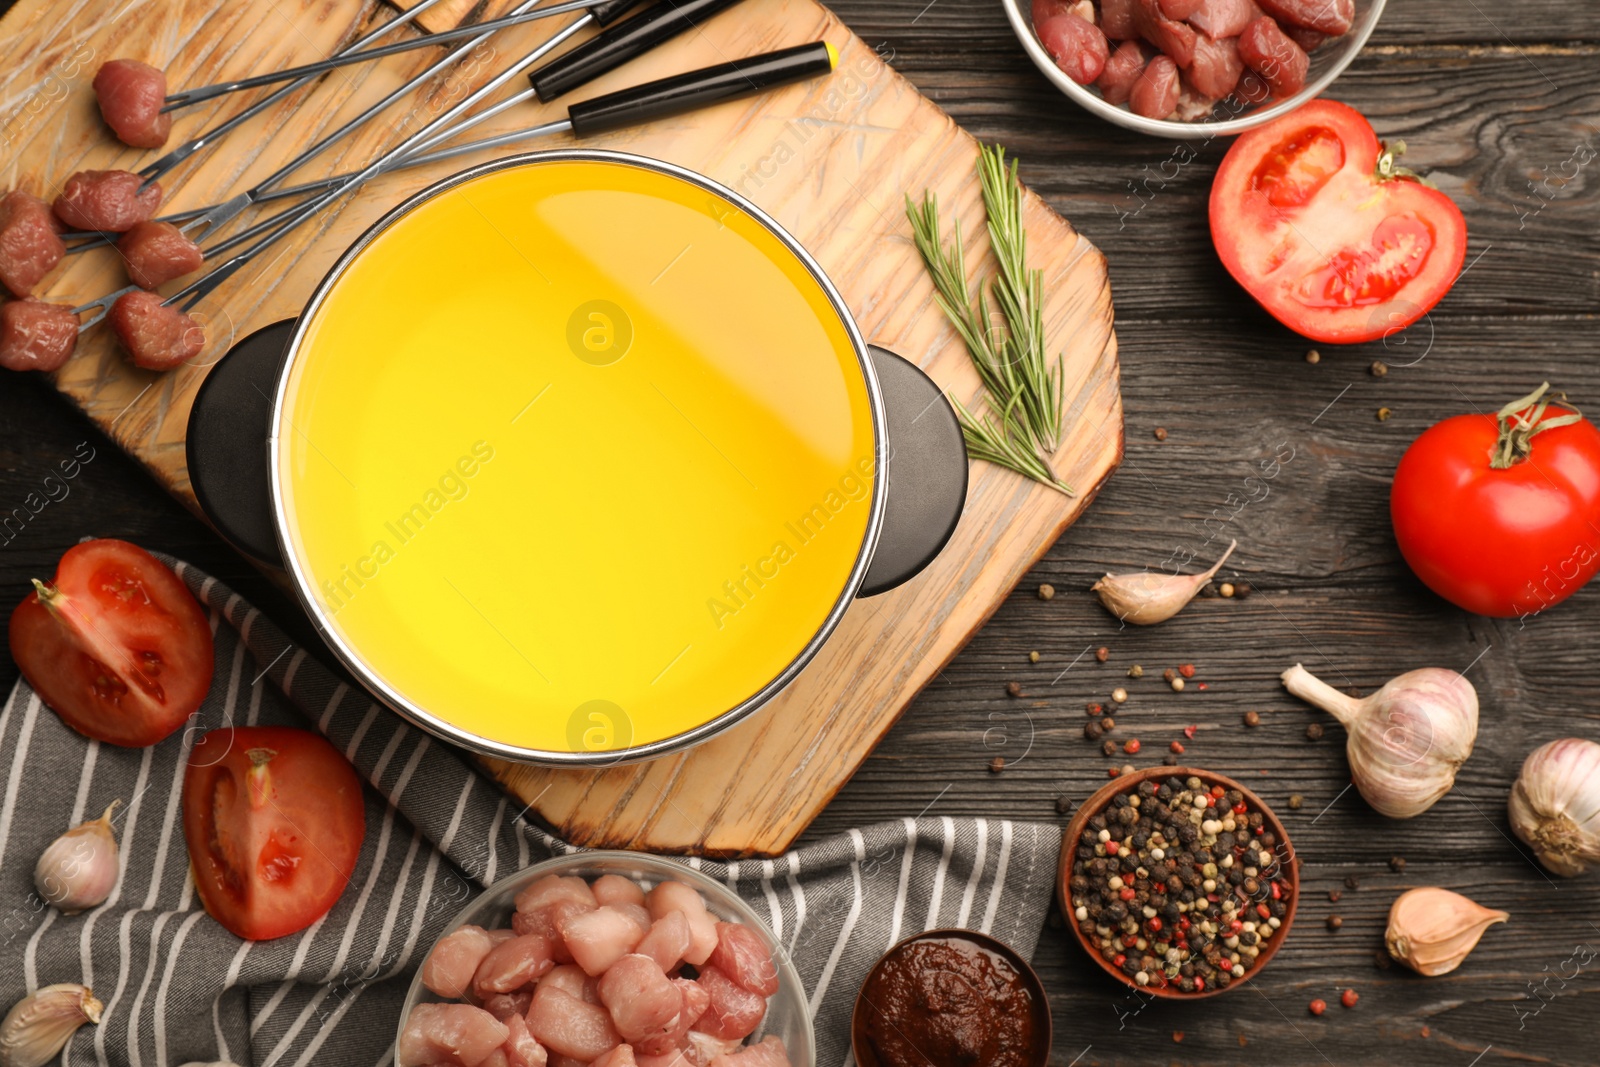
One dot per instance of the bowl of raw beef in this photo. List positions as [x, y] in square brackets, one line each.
[612, 959]
[1192, 68]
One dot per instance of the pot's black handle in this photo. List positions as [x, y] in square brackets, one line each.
[227, 441]
[927, 473]
[621, 43]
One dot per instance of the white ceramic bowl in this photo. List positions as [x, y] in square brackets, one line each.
[788, 1017]
[1229, 116]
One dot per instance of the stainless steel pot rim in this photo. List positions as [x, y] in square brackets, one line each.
[486, 746]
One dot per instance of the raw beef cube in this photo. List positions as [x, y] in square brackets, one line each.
[1216, 67]
[1122, 70]
[449, 1033]
[35, 335]
[131, 95]
[157, 252]
[108, 201]
[1116, 19]
[1179, 9]
[156, 336]
[1078, 47]
[566, 1025]
[1155, 94]
[1176, 39]
[454, 960]
[30, 242]
[1268, 51]
[1332, 17]
[741, 955]
[1224, 18]
[1309, 40]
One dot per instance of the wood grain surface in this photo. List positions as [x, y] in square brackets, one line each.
[1498, 98]
[831, 160]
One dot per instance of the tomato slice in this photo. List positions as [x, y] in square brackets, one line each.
[116, 644]
[1337, 251]
[274, 820]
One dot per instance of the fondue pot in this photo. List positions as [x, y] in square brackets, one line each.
[576, 457]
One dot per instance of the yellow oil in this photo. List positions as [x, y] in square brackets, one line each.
[576, 456]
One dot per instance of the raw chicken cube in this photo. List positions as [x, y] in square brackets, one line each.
[497, 1058]
[695, 999]
[702, 1048]
[675, 1058]
[675, 896]
[615, 889]
[667, 941]
[599, 938]
[1121, 71]
[1225, 18]
[741, 955]
[769, 1053]
[109, 201]
[157, 252]
[1078, 47]
[506, 1006]
[513, 964]
[156, 336]
[645, 1005]
[734, 1012]
[449, 1033]
[570, 979]
[522, 1048]
[30, 242]
[35, 335]
[553, 889]
[567, 1025]
[621, 1056]
[131, 95]
[454, 960]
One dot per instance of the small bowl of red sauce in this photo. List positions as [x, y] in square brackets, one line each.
[951, 998]
[1179, 882]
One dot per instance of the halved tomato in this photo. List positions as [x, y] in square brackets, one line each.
[1310, 214]
[116, 644]
[274, 820]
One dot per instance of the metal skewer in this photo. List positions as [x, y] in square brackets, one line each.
[343, 59]
[204, 140]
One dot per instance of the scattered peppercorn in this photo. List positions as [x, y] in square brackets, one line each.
[1094, 709]
[1177, 685]
[1176, 747]
[1226, 589]
[1241, 590]
[1161, 433]
[1170, 761]
[1334, 896]
[1352, 882]
[1033, 657]
[1201, 686]
[1189, 731]
[1397, 864]
[1168, 675]
[1349, 997]
[1108, 723]
[1208, 591]
[1013, 689]
[1119, 694]
[1131, 746]
[1046, 591]
[1092, 730]
[1319, 1005]
[1187, 670]
[1102, 653]
[1314, 732]
[1063, 804]
[1177, 1035]
[1334, 922]
[1135, 671]
[1382, 961]
[1112, 772]
[1127, 768]
[1252, 718]
[1378, 368]
[1383, 414]
[1109, 748]
[1295, 801]
[997, 765]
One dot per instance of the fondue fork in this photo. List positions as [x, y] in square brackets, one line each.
[626, 107]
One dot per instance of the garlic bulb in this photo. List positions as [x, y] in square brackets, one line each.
[1407, 740]
[1432, 930]
[38, 1026]
[1555, 805]
[1145, 599]
[79, 869]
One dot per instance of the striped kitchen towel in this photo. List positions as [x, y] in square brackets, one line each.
[177, 987]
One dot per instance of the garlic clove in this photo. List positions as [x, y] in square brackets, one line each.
[39, 1025]
[1555, 805]
[80, 867]
[1145, 599]
[1431, 930]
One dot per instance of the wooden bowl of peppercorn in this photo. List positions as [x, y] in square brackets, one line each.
[1229, 862]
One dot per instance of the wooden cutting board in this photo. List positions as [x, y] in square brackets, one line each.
[831, 160]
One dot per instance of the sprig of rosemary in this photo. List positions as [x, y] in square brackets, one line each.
[1022, 427]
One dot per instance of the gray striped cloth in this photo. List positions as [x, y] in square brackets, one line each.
[178, 987]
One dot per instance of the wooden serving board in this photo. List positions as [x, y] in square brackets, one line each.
[831, 160]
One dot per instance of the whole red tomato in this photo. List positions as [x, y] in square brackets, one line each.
[1500, 514]
[1312, 216]
[116, 645]
[274, 820]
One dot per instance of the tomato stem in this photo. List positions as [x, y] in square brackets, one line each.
[1389, 168]
[1521, 419]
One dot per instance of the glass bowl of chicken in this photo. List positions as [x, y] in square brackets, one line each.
[612, 959]
[1192, 69]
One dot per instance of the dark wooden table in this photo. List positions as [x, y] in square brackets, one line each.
[1501, 104]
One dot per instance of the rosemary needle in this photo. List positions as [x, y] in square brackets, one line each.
[1022, 427]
